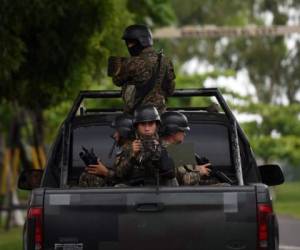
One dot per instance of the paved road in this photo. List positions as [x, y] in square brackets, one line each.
[289, 231]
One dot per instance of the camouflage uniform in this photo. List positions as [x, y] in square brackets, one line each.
[187, 175]
[123, 162]
[140, 169]
[91, 180]
[136, 72]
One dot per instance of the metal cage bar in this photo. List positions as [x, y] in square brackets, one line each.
[207, 92]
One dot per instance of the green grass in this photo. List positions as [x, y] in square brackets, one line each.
[287, 200]
[23, 195]
[11, 240]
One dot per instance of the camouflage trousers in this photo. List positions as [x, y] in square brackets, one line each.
[91, 180]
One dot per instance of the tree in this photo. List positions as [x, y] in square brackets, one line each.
[56, 47]
[152, 12]
[51, 49]
[275, 137]
[273, 68]
[61, 44]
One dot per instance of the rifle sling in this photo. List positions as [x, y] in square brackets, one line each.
[143, 90]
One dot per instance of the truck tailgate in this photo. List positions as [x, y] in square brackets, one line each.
[142, 218]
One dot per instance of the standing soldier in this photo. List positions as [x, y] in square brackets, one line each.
[148, 161]
[98, 175]
[174, 127]
[147, 77]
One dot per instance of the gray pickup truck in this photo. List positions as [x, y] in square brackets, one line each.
[236, 216]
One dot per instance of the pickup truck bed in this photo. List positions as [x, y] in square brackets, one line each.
[173, 218]
[62, 216]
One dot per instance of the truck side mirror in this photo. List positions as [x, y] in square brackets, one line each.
[30, 179]
[271, 174]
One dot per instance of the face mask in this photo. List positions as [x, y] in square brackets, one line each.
[135, 50]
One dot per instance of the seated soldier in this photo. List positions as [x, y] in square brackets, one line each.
[174, 127]
[148, 162]
[98, 175]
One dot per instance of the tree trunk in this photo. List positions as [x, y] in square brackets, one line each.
[38, 136]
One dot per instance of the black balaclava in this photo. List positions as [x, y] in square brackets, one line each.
[136, 49]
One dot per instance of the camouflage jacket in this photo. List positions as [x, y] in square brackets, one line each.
[123, 162]
[91, 180]
[140, 169]
[187, 175]
[136, 72]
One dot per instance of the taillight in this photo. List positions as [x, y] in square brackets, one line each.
[35, 214]
[264, 211]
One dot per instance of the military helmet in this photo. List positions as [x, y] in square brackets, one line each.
[172, 122]
[124, 125]
[140, 33]
[146, 114]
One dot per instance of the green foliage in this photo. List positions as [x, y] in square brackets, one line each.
[273, 69]
[6, 110]
[152, 12]
[51, 49]
[283, 119]
[196, 81]
[216, 12]
[276, 136]
[272, 149]
[59, 47]
[205, 12]
[287, 200]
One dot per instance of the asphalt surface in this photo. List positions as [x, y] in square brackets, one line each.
[289, 233]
